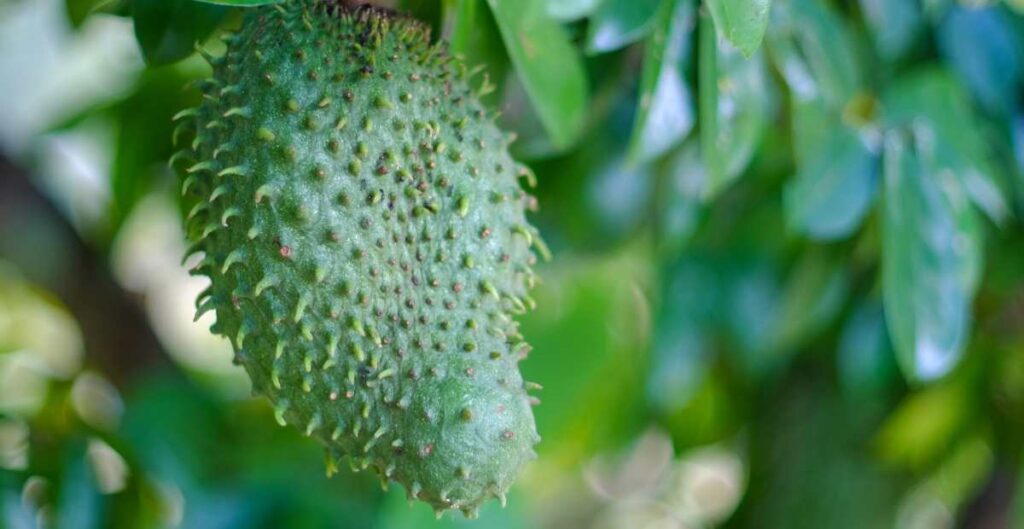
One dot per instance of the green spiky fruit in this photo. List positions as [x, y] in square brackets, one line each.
[363, 227]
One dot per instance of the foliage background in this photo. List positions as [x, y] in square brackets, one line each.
[787, 291]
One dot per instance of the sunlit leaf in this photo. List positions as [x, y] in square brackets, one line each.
[924, 424]
[549, 66]
[741, 22]
[929, 262]
[665, 111]
[617, 23]
[168, 30]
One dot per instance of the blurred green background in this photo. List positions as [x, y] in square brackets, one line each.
[787, 288]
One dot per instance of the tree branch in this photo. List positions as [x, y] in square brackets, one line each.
[36, 237]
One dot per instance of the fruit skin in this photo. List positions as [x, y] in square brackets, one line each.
[363, 227]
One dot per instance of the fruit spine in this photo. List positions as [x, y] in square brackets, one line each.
[363, 227]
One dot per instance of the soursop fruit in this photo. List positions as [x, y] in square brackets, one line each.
[363, 228]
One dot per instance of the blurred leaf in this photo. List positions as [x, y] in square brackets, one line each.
[962, 475]
[814, 51]
[734, 106]
[79, 503]
[680, 200]
[472, 33]
[808, 469]
[1017, 141]
[548, 65]
[678, 364]
[520, 116]
[144, 129]
[932, 100]
[864, 358]
[816, 288]
[713, 413]
[240, 3]
[601, 199]
[168, 30]
[987, 53]
[925, 424]
[682, 347]
[835, 182]
[617, 23]
[771, 314]
[741, 22]
[665, 110]
[79, 10]
[571, 9]
[930, 253]
[592, 376]
[618, 194]
[895, 25]
[428, 11]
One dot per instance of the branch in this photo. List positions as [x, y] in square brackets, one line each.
[47, 249]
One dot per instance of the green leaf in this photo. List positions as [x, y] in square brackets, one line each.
[815, 290]
[930, 261]
[734, 105]
[741, 22]
[895, 25]
[932, 100]
[986, 50]
[473, 35]
[835, 180]
[682, 348]
[79, 505]
[428, 11]
[620, 22]
[680, 202]
[568, 10]
[665, 110]
[79, 10]
[595, 383]
[924, 425]
[240, 3]
[815, 51]
[168, 30]
[144, 125]
[865, 364]
[549, 66]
